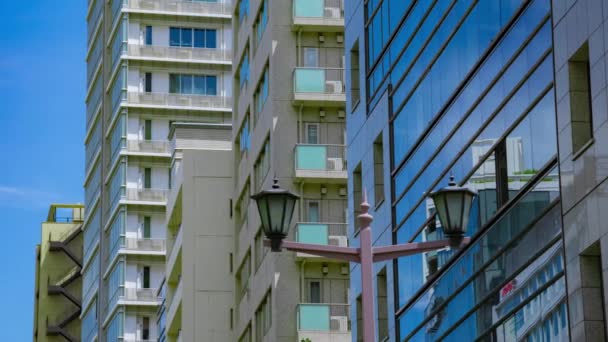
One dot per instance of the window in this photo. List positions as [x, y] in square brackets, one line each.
[261, 92]
[246, 336]
[189, 37]
[311, 57]
[244, 68]
[148, 82]
[242, 205]
[244, 140]
[263, 318]
[313, 211]
[193, 84]
[580, 99]
[148, 35]
[378, 170]
[314, 291]
[242, 276]
[147, 129]
[354, 75]
[145, 330]
[147, 227]
[243, 10]
[146, 277]
[382, 303]
[359, 319]
[262, 165]
[312, 133]
[260, 251]
[357, 192]
[147, 178]
[261, 21]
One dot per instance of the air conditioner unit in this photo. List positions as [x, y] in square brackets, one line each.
[321, 38]
[335, 164]
[337, 240]
[321, 113]
[333, 87]
[341, 114]
[323, 190]
[340, 39]
[342, 191]
[333, 12]
[338, 323]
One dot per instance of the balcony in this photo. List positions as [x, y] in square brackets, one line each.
[319, 86]
[180, 54]
[174, 310]
[139, 296]
[324, 322]
[152, 196]
[188, 8]
[180, 101]
[329, 234]
[136, 245]
[318, 15]
[321, 162]
[152, 147]
[174, 252]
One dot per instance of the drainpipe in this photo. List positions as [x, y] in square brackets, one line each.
[302, 284]
[300, 125]
[299, 59]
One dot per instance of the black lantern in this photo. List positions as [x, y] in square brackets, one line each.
[453, 205]
[276, 209]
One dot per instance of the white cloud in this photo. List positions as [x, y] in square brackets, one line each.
[11, 196]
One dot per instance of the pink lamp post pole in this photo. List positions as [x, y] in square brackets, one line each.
[367, 255]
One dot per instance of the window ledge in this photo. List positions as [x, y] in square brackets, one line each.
[582, 150]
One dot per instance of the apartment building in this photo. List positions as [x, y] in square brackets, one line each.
[198, 291]
[149, 63]
[467, 89]
[57, 300]
[289, 124]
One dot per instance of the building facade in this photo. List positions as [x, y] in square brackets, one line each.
[198, 290]
[289, 124]
[462, 89]
[57, 301]
[148, 63]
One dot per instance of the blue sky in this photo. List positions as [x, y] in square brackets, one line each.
[42, 113]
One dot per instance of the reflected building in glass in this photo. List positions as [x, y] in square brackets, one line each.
[469, 89]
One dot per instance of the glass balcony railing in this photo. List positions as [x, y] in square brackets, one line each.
[148, 146]
[180, 100]
[317, 80]
[317, 157]
[333, 234]
[147, 195]
[200, 7]
[324, 317]
[180, 53]
[145, 245]
[318, 12]
[140, 295]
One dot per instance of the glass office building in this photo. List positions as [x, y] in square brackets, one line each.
[458, 88]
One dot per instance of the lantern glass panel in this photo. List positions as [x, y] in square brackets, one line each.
[277, 213]
[454, 202]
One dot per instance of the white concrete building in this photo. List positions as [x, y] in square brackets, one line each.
[149, 63]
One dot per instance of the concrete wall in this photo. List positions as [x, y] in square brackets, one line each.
[583, 174]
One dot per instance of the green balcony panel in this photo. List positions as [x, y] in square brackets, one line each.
[310, 81]
[314, 317]
[311, 157]
[313, 233]
[309, 8]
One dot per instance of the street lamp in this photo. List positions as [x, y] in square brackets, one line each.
[276, 207]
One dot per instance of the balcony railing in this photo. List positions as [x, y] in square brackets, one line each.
[312, 83]
[318, 12]
[148, 146]
[201, 8]
[147, 195]
[147, 245]
[181, 53]
[320, 161]
[140, 295]
[180, 100]
[324, 317]
[333, 234]
[174, 249]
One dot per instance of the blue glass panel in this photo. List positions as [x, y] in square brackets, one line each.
[211, 85]
[310, 80]
[311, 157]
[313, 233]
[309, 8]
[210, 39]
[314, 317]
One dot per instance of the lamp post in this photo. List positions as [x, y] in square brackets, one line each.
[453, 205]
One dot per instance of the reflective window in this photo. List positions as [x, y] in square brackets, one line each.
[193, 84]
